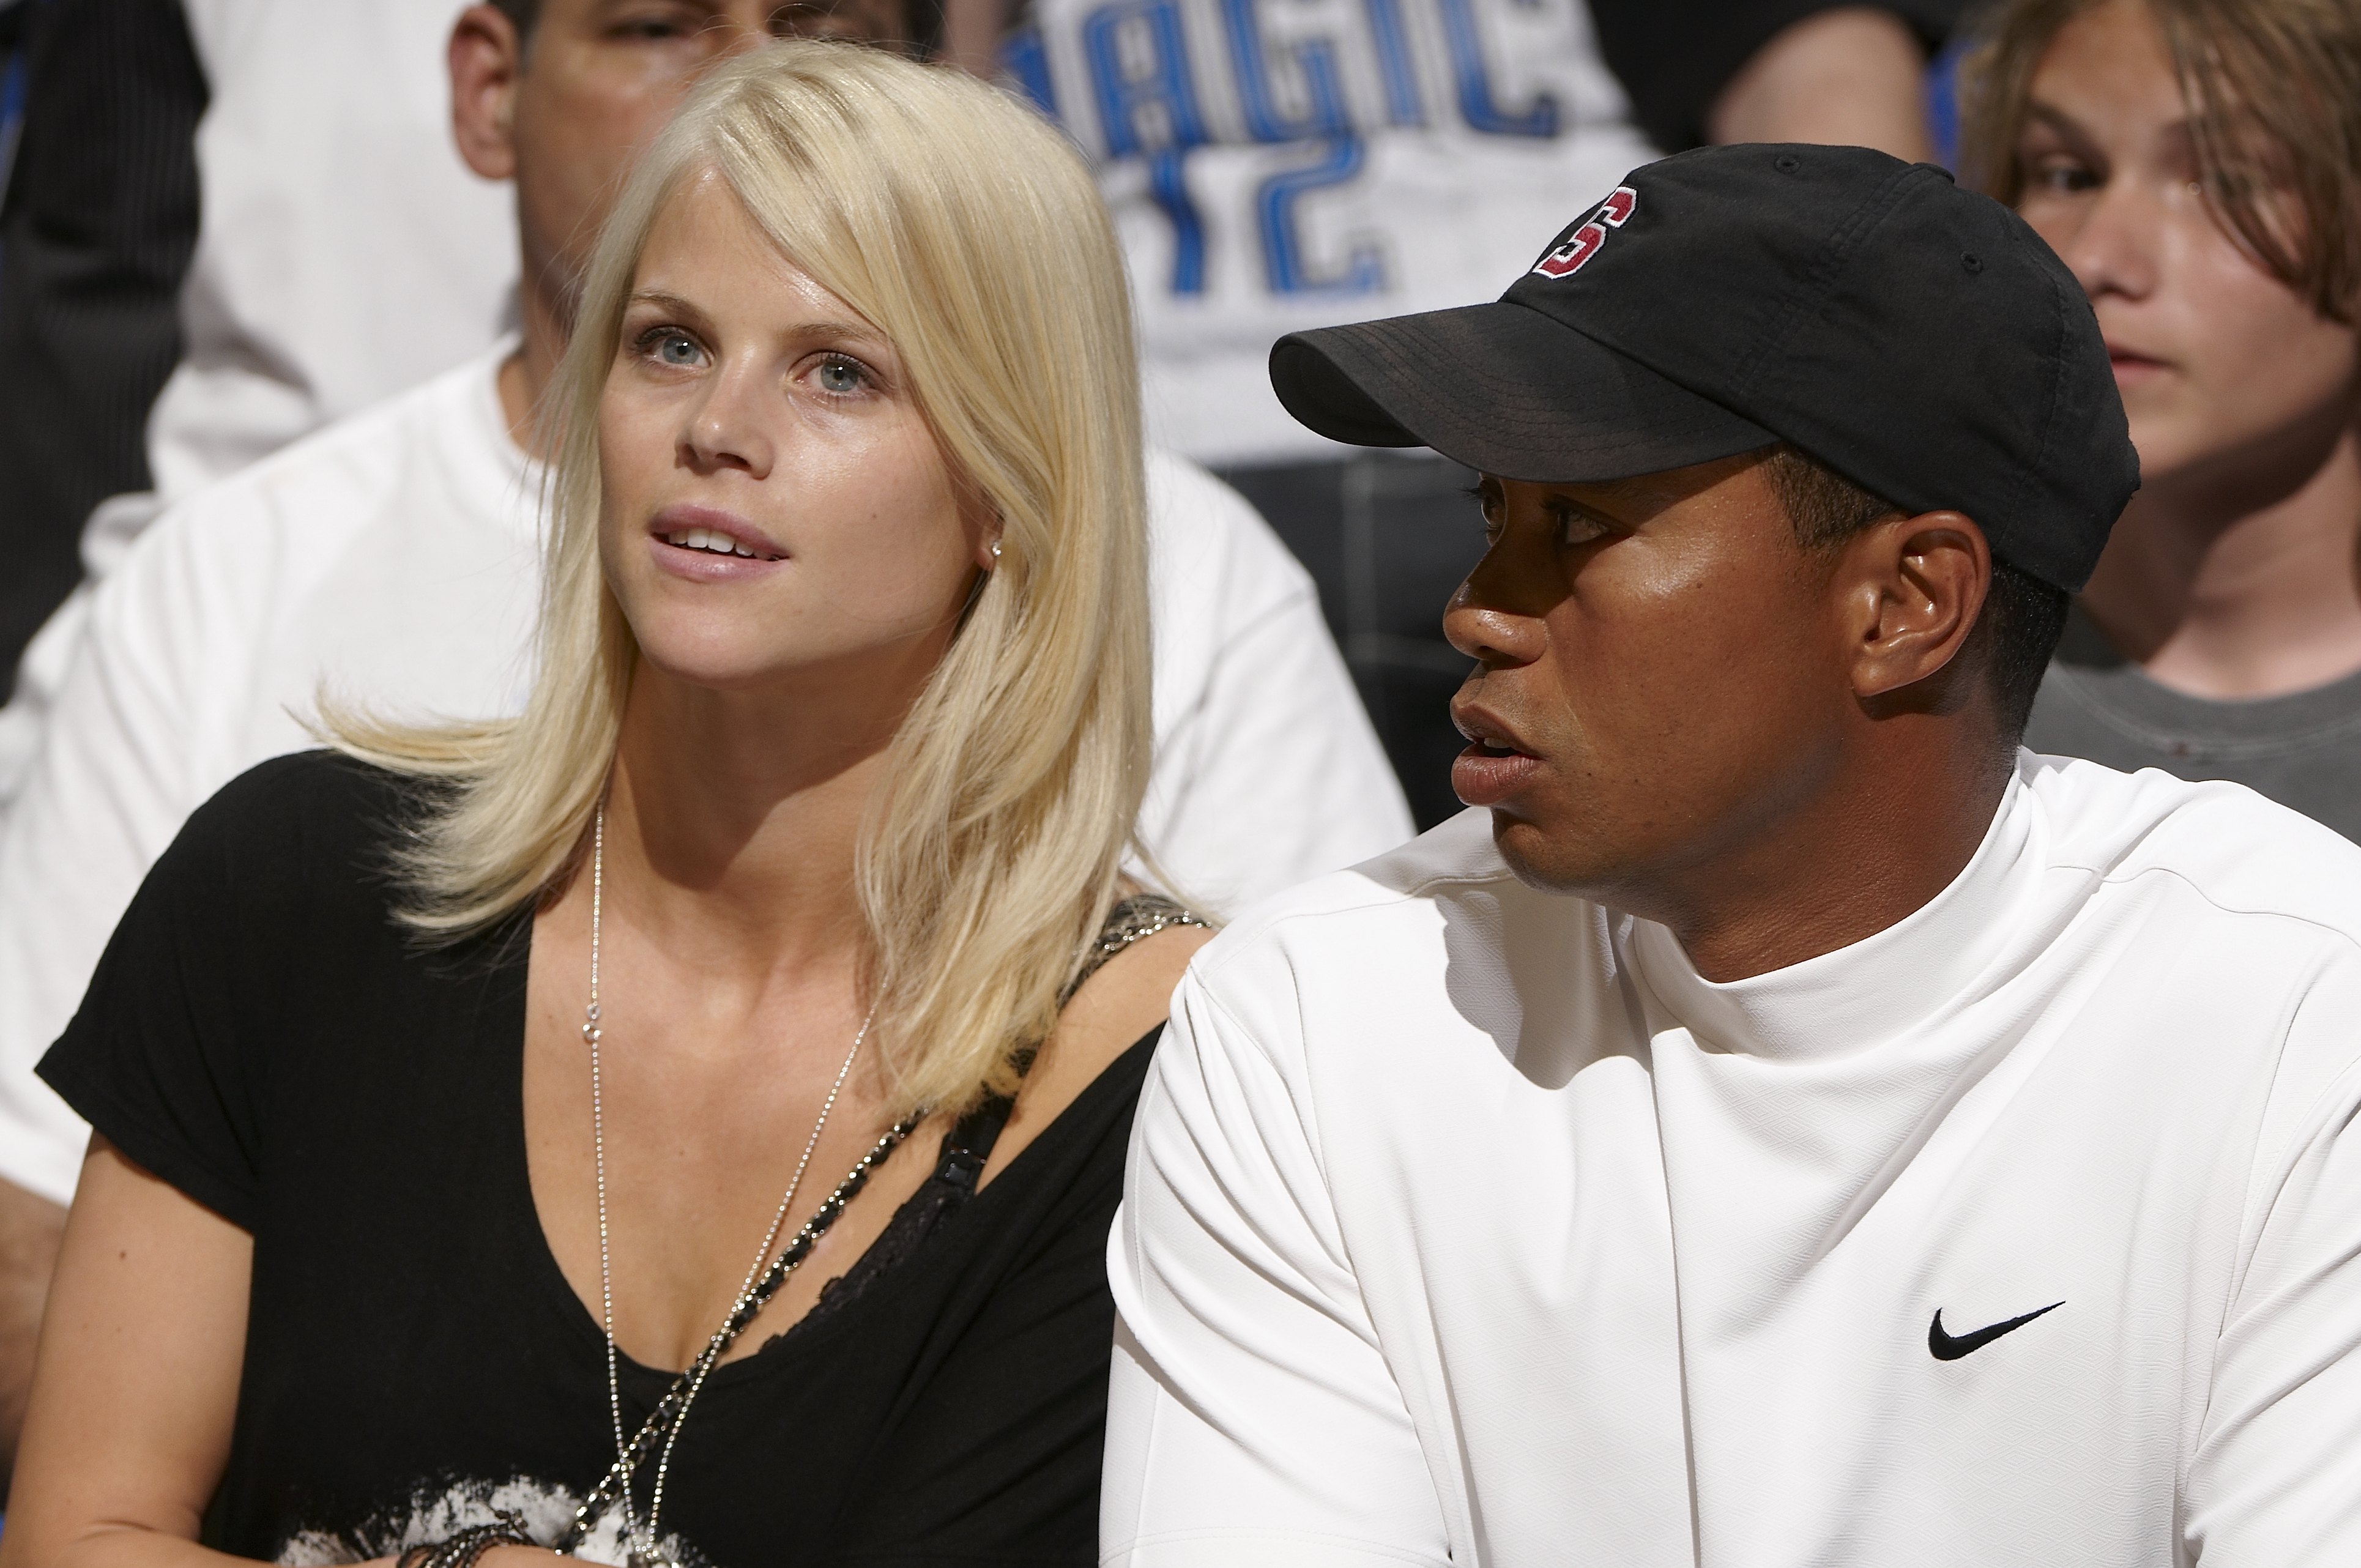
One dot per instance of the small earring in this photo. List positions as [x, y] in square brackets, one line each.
[995, 551]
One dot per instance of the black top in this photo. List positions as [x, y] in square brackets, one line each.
[261, 1035]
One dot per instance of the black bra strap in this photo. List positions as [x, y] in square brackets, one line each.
[967, 1148]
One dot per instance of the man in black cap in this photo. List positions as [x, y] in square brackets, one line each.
[1792, 1124]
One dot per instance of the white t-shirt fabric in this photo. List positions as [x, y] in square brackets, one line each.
[344, 251]
[391, 561]
[1276, 165]
[1469, 1224]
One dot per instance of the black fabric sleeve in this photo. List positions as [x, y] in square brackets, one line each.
[96, 237]
[1674, 56]
[235, 946]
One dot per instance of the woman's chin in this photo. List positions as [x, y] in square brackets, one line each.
[724, 670]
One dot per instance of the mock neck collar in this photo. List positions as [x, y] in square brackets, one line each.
[1877, 988]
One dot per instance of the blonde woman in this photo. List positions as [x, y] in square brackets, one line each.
[445, 1088]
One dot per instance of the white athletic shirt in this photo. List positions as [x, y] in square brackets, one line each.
[344, 251]
[393, 558]
[1467, 1223]
[1275, 165]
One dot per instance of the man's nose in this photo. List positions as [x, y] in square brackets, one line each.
[1488, 627]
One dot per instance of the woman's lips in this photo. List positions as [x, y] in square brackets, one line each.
[1484, 775]
[705, 545]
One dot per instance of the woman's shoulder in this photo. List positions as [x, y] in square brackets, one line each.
[305, 804]
[301, 835]
[264, 924]
[1118, 1006]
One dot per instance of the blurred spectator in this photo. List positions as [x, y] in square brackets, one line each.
[99, 102]
[343, 254]
[2198, 163]
[393, 557]
[1278, 167]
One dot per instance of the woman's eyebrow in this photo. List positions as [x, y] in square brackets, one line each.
[674, 304]
[670, 304]
[838, 329]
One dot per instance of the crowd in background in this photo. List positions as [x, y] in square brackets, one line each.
[283, 283]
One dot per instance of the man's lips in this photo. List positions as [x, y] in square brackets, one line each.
[1482, 777]
[2132, 363]
[1497, 763]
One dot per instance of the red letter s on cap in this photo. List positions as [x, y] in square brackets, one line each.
[1584, 243]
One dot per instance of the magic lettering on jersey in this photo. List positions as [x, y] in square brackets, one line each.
[1157, 75]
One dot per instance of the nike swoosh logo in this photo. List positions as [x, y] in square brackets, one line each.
[1950, 1348]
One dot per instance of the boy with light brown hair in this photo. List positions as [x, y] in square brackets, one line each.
[2198, 164]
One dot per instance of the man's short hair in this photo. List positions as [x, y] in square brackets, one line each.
[2023, 616]
[524, 15]
[2273, 90]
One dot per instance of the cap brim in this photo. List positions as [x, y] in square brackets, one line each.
[1505, 391]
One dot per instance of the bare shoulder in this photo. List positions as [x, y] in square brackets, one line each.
[1130, 994]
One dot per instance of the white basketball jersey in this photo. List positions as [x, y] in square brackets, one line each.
[1275, 165]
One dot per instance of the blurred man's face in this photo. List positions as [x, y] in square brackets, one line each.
[600, 77]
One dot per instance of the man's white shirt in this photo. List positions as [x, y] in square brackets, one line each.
[344, 253]
[1467, 1223]
[392, 562]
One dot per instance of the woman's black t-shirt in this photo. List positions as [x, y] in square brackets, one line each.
[263, 1037]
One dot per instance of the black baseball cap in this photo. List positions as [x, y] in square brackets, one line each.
[1919, 339]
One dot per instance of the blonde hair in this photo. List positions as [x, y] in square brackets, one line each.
[961, 226]
[2273, 90]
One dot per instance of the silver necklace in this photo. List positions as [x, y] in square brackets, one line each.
[644, 1552]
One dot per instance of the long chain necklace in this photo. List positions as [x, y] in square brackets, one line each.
[644, 1552]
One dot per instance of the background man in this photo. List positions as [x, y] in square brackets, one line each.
[1791, 1125]
[393, 557]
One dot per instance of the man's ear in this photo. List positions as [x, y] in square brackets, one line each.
[1912, 589]
[486, 60]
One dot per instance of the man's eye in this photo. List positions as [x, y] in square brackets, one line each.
[656, 26]
[1487, 507]
[1574, 528]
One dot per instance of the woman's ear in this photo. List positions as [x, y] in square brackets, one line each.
[487, 58]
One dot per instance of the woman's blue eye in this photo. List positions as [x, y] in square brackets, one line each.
[677, 349]
[840, 377]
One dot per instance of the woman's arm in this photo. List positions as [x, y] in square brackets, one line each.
[135, 1384]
